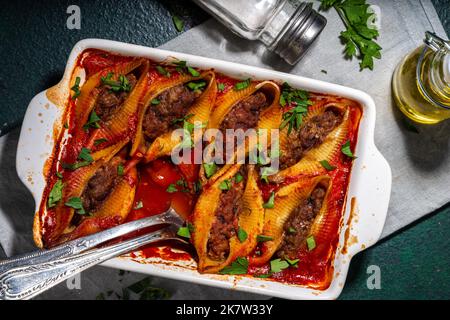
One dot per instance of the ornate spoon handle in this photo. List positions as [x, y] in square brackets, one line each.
[25, 282]
[91, 241]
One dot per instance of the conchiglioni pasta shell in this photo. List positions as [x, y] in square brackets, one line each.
[328, 150]
[250, 220]
[286, 200]
[326, 224]
[74, 186]
[270, 118]
[201, 109]
[120, 201]
[122, 126]
[113, 211]
[89, 91]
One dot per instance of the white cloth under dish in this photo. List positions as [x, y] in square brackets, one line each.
[420, 162]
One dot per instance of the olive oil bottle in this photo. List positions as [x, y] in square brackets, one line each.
[421, 82]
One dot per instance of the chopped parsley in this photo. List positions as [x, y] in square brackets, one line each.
[327, 165]
[271, 202]
[347, 150]
[293, 118]
[76, 165]
[238, 178]
[77, 204]
[225, 185]
[162, 71]
[188, 130]
[220, 86]
[180, 65]
[171, 188]
[197, 186]
[85, 154]
[240, 266]
[311, 243]
[193, 72]
[183, 183]
[183, 119]
[265, 173]
[178, 23]
[120, 170]
[55, 194]
[242, 85]
[139, 205]
[263, 238]
[278, 265]
[122, 84]
[242, 235]
[76, 88]
[196, 86]
[186, 231]
[155, 101]
[100, 141]
[145, 290]
[293, 263]
[93, 121]
[210, 169]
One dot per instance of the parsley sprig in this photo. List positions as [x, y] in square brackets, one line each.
[293, 118]
[358, 36]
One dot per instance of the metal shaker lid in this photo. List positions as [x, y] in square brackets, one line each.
[298, 35]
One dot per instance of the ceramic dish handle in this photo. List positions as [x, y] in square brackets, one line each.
[28, 281]
[372, 201]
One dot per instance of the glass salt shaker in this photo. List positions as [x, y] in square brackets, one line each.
[286, 29]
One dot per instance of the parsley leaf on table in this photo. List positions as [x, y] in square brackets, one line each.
[358, 37]
[178, 23]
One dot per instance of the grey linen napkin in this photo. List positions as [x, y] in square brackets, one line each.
[420, 162]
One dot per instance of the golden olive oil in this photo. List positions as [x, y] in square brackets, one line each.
[421, 85]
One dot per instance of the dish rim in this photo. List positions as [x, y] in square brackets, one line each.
[370, 167]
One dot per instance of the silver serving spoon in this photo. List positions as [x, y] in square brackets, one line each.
[25, 276]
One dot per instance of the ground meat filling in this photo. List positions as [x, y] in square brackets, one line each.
[100, 186]
[296, 229]
[173, 104]
[226, 220]
[108, 101]
[310, 135]
[244, 115]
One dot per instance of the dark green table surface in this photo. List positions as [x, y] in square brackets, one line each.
[35, 43]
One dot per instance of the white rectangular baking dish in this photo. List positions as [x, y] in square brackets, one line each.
[366, 204]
